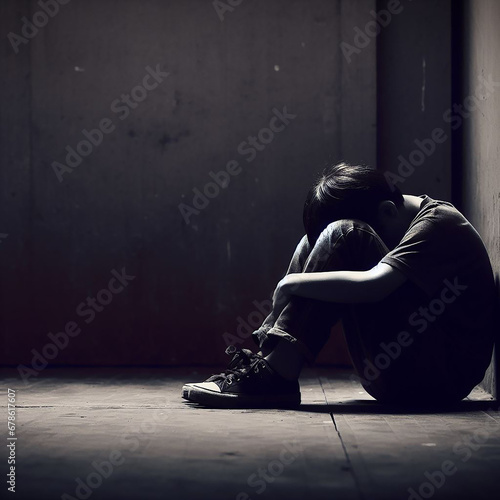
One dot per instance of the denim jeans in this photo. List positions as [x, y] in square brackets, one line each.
[389, 368]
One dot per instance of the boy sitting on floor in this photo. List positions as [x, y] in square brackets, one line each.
[409, 278]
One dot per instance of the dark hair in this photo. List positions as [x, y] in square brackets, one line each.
[346, 191]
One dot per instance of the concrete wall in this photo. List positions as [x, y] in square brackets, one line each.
[413, 95]
[480, 146]
[119, 207]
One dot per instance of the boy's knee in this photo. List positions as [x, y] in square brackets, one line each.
[344, 227]
[356, 245]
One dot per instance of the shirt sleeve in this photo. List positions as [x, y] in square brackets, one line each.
[425, 255]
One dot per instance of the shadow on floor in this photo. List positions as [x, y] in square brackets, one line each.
[374, 408]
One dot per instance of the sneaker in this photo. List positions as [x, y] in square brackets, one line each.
[248, 382]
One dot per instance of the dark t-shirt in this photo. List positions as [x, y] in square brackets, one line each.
[444, 256]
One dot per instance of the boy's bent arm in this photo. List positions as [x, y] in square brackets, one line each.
[348, 287]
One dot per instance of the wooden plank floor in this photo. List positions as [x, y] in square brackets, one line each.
[340, 444]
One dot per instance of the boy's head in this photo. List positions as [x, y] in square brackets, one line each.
[347, 191]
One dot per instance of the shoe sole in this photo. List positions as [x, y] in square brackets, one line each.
[233, 400]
